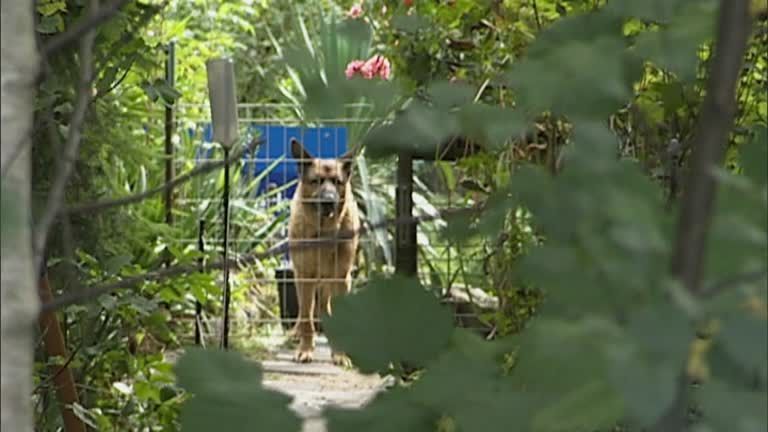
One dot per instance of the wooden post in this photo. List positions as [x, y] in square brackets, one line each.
[405, 234]
[53, 339]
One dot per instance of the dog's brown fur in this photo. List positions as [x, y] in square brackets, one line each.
[325, 269]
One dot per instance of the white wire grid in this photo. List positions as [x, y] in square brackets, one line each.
[263, 295]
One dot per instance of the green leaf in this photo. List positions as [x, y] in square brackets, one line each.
[446, 95]
[390, 411]
[732, 410]
[487, 401]
[587, 408]
[419, 130]
[588, 92]
[754, 157]
[168, 93]
[662, 331]
[648, 388]
[491, 125]
[573, 348]
[50, 24]
[745, 339]
[676, 47]
[409, 23]
[116, 263]
[579, 395]
[403, 323]
[660, 11]
[51, 7]
[227, 394]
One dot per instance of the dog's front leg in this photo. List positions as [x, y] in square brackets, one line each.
[339, 288]
[305, 327]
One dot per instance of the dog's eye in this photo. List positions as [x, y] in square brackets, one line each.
[316, 181]
[338, 181]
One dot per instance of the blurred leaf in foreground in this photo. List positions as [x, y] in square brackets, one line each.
[391, 320]
[227, 394]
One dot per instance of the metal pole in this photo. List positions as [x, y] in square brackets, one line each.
[225, 335]
[405, 247]
[200, 261]
[170, 77]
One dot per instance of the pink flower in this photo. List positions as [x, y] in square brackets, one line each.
[355, 11]
[353, 67]
[377, 65]
[369, 69]
[386, 69]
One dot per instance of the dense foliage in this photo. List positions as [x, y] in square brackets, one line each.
[578, 106]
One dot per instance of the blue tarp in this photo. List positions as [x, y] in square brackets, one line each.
[322, 142]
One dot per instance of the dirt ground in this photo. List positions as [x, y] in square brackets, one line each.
[318, 384]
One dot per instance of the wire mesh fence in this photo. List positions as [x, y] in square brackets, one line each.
[264, 181]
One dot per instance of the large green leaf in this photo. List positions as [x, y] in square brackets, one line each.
[563, 365]
[729, 409]
[391, 411]
[227, 394]
[391, 320]
[658, 11]
[754, 157]
[745, 339]
[559, 73]
[675, 47]
[487, 401]
[645, 369]
[418, 130]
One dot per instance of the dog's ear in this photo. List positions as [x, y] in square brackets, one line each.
[346, 163]
[302, 156]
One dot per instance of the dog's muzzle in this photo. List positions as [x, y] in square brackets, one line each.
[327, 202]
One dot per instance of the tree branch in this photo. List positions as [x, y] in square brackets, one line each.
[708, 150]
[72, 146]
[132, 199]
[182, 269]
[83, 26]
[709, 142]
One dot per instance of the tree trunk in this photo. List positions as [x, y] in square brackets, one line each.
[18, 298]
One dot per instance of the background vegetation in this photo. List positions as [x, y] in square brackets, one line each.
[587, 112]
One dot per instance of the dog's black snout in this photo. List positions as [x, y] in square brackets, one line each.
[327, 201]
[328, 196]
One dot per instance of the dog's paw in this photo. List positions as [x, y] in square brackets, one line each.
[303, 356]
[341, 360]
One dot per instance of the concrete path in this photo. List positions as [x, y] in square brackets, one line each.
[318, 384]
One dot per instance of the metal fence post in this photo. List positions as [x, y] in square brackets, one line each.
[225, 334]
[170, 77]
[201, 263]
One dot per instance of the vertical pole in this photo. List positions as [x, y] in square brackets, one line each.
[405, 246]
[225, 333]
[170, 77]
[200, 262]
[53, 339]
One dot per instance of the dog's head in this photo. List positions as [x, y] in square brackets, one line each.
[324, 182]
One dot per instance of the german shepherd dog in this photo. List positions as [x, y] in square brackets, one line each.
[322, 205]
